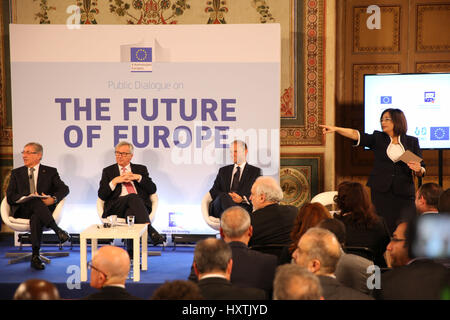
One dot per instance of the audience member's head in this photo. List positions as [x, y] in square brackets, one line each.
[444, 201]
[36, 289]
[309, 215]
[177, 290]
[293, 282]
[336, 227]
[109, 266]
[235, 225]
[319, 251]
[212, 256]
[265, 191]
[427, 197]
[398, 249]
[353, 200]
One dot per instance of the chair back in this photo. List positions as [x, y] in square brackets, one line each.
[153, 199]
[325, 198]
[360, 251]
[23, 225]
[211, 221]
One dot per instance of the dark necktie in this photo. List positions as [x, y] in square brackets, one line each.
[31, 178]
[235, 183]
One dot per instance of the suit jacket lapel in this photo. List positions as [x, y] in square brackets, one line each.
[41, 177]
[228, 176]
[244, 173]
[25, 179]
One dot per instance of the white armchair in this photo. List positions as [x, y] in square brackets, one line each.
[23, 225]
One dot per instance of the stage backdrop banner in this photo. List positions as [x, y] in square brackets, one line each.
[179, 94]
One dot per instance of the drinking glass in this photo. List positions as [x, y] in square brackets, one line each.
[130, 221]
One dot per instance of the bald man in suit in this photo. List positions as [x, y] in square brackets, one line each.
[233, 183]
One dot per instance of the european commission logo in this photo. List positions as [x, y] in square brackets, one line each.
[430, 96]
[439, 133]
[386, 100]
[141, 59]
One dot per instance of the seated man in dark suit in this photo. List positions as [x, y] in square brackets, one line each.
[319, 251]
[109, 271]
[213, 265]
[126, 188]
[250, 268]
[36, 179]
[272, 223]
[351, 269]
[411, 278]
[233, 182]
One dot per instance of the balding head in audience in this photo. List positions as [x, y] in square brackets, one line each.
[36, 289]
[265, 191]
[235, 225]
[318, 251]
[293, 282]
[110, 266]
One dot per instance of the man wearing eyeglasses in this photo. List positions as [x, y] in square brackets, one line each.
[411, 277]
[35, 178]
[109, 271]
[126, 188]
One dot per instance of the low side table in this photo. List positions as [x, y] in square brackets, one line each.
[95, 232]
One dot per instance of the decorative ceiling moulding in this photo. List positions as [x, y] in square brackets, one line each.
[302, 108]
[383, 40]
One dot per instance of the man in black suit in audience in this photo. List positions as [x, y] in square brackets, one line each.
[319, 251]
[233, 182]
[427, 198]
[213, 265]
[109, 271]
[411, 278]
[126, 189]
[35, 178]
[250, 268]
[272, 223]
[351, 269]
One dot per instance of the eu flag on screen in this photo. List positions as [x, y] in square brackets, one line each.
[386, 100]
[141, 54]
[439, 133]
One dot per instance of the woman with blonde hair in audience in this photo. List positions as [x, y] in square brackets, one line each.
[364, 228]
[309, 215]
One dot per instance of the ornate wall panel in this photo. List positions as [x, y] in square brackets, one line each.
[301, 177]
[373, 40]
[423, 67]
[432, 27]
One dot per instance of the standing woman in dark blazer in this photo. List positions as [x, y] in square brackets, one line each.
[391, 181]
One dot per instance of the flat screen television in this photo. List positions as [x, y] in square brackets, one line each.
[424, 99]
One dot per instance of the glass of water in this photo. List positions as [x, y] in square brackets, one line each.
[130, 221]
[112, 220]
